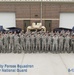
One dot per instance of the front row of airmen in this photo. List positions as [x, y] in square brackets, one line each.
[31, 42]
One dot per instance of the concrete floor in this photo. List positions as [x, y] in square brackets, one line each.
[44, 63]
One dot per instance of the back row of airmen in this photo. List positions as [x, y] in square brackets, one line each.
[36, 42]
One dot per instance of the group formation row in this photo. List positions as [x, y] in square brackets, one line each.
[36, 42]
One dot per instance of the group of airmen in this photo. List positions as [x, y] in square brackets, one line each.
[32, 42]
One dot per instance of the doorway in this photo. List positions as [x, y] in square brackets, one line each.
[26, 24]
[48, 25]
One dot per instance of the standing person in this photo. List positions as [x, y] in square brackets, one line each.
[1, 43]
[41, 34]
[44, 43]
[16, 41]
[35, 35]
[38, 42]
[27, 43]
[61, 42]
[72, 42]
[22, 42]
[11, 42]
[55, 43]
[49, 43]
[67, 43]
[6, 42]
[32, 42]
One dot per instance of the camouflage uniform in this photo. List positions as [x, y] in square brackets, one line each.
[27, 43]
[1, 44]
[32, 43]
[61, 42]
[44, 43]
[22, 42]
[55, 43]
[67, 43]
[17, 46]
[49, 43]
[72, 43]
[6, 43]
[38, 42]
[11, 44]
